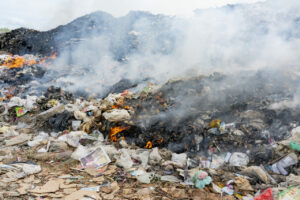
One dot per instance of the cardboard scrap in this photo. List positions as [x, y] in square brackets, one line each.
[115, 187]
[29, 179]
[24, 187]
[56, 195]
[69, 190]
[108, 196]
[63, 186]
[92, 171]
[51, 186]
[111, 170]
[99, 179]
[80, 194]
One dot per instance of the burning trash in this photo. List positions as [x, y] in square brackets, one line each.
[26, 60]
[79, 126]
[114, 131]
[150, 141]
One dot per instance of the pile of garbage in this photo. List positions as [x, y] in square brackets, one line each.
[179, 140]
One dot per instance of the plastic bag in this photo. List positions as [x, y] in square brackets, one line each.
[201, 179]
[266, 195]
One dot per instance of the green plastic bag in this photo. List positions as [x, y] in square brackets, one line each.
[200, 183]
[295, 146]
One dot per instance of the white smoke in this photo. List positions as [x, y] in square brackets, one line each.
[228, 39]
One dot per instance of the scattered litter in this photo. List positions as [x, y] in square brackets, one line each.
[97, 158]
[292, 193]
[124, 159]
[117, 115]
[289, 160]
[239, 159]
[201, 179]
[170, 178]
[266, 195]
[19, 139]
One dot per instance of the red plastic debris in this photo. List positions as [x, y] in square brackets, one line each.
[266, 195]
[125, 92]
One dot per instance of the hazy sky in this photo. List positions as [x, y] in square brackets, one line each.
[47, 14]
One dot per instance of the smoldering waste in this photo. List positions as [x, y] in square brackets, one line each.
[190, 138]
[217, 136]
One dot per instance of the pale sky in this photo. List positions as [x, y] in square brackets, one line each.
[47, 14]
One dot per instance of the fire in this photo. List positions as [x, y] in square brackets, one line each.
[17, 61]
[160, 141]
[43, 60]
[148, 145]
[53, 56]
[114, 131]
[120, 104]
[115, 106]
[20, 61]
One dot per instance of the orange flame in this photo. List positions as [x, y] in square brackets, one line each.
[120, 104]
[53, 56]
[20, 61]
[160, 141]
[43, 60]
[114, 131]
[115, 106]
[148, 145]
[17, 61]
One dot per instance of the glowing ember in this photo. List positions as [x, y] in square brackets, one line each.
[148, 145]
[114, 131]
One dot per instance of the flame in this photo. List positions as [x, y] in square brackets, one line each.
[114, 131]
[53, 56]
[19, 61]
[120, 104]
[43, 60]
[115, 106]
[160, 141]
[148, 145]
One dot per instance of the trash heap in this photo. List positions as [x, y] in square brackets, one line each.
[192, 138]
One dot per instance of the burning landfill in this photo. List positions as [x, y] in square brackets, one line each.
[79, 121]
